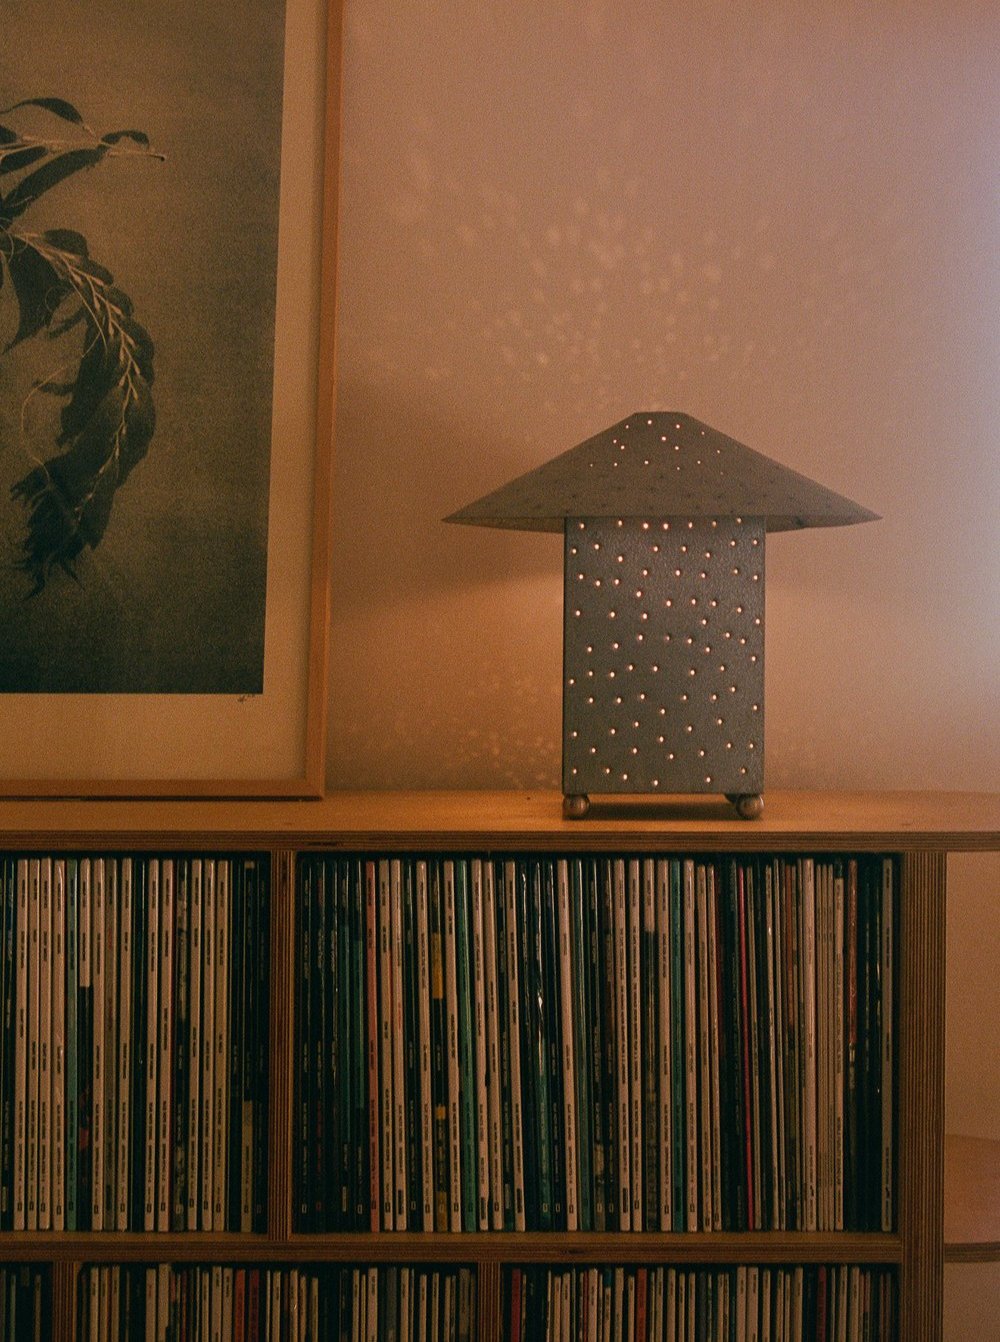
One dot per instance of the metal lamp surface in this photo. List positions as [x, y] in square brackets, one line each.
[664, 522]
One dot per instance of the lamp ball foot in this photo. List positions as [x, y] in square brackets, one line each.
[575, 805]
[749, 805]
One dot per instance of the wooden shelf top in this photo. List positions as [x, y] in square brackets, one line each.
[971, 1199]
[948, 821]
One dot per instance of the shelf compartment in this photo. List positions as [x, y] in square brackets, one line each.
[594, 1042]
[135, 1038]
[226, 1300]
[803, 1300]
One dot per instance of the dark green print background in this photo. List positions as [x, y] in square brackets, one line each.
[172, 600]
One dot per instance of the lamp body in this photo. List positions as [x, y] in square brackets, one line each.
[663, 655]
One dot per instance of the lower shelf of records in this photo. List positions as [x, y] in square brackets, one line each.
[225, 1301]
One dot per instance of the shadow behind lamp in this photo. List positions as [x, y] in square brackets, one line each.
[664, 522]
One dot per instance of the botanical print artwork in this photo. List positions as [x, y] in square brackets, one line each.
[140, 175]
[101, 357]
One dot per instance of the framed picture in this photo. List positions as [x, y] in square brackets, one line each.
[168, 216]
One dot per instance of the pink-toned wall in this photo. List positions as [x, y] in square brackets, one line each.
[782, 218]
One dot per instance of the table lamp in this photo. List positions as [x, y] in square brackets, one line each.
[664, 521]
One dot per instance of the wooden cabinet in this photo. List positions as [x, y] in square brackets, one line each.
[919, 829]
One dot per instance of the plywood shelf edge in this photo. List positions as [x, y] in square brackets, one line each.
[841, 821]
[971, 1199]
[470, 1247]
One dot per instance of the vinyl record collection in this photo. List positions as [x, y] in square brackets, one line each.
[705, 1304]
[595, 1043]
[166, 1303]
[133, 1040]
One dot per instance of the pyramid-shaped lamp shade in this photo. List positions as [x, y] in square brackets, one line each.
[664, 522]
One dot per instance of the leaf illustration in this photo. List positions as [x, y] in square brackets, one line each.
[39, 290]
[68, 240]
[116, 136]
[58, 158]
[56, 329]
[16, 159]
[69, 499]
[108, 418]
[107, 422]
[57, 106]
[50, 174]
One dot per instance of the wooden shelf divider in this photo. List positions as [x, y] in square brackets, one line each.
[920, 1164]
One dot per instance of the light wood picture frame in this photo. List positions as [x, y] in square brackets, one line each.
[65, 731]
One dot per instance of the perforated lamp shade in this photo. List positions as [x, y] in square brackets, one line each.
[664, 523]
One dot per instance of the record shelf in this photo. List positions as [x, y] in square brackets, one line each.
[917, 829]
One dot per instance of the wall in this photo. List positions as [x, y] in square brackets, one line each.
[782, 220]
[783, 223]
